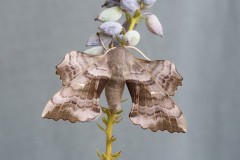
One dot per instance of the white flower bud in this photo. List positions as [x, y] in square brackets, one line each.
[132, 37]
[153, 24]
[97, 50]
[130, 5]
[111, 28]
[148, 2]
[111, 3]
[94, 39]
[110, 14]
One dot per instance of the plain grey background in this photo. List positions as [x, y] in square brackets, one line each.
[200, 36]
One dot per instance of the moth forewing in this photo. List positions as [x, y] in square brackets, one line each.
[83, 78]
[73, 64]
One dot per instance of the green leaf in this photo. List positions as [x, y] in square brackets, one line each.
[118, 119]
[118, 112]
[117, 155]
[99, 154]
[104, 110]
[103, 129]
[113, 139]
[104, 119]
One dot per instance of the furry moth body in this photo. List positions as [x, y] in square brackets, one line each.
[150, 83]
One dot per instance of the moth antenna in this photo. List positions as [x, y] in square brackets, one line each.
[109, 50]
[104, 47]
[139, 52]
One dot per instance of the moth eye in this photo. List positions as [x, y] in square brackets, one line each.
[153, 24]
[130, 5]
[111, 28]
[110, 14]
[111, 3]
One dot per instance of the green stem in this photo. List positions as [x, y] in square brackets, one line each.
[134, 19]
[109, 121]
[133, 22]
[109, 129]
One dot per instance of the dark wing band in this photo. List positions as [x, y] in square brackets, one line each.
[165, 74]
[73, 64]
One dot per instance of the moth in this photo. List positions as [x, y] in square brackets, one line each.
[150, 83]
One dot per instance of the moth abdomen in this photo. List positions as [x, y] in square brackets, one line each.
[114, 91]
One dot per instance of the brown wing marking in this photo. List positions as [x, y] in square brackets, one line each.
[79, 99]
[73, 64]
[165, 74]
[152, 107]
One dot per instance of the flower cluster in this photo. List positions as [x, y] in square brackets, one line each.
[112, 33]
